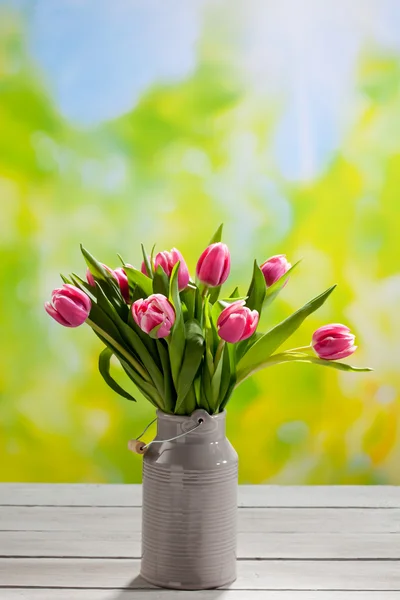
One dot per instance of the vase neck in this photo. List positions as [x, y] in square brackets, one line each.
[209, 427]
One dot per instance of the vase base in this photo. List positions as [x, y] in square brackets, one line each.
[175, 585]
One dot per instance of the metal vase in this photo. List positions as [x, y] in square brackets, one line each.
[190, 504]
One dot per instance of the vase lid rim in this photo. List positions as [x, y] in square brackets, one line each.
[197, 414]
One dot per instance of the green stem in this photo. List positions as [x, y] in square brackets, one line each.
[299, 349]
[218, 353]
[131, 360]
[204, 292]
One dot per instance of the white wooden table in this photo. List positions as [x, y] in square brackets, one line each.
[82, 542]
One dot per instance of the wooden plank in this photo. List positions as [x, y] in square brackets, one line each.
[124, 544]
[257, 575]
[74, 594]
[250, 520]
[32, 494]
[70, 494]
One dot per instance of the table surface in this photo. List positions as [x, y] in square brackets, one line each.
[82, 542]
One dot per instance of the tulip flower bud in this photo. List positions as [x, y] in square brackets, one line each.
[237, 322]
[214, 265]
[155, 315]
[332, 342]
[69, 306]
[123, 283]
[274, 268]
[167, 261]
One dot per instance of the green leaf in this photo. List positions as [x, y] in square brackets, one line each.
[206, 395]
[211, 336]
[83, 285]
[190, 403]
[255, 300]
[194, 351]
[65, 279]
[226, 373]
[146, 339]
[177, 337]
[144, 356]
[147, 389]
[104, 322]
[137, 346]
[293, 356]
[217, 235]
[104, 368]
[100, 273]
[106, 281]
[152, 254]
[257, 290]
[169, 390]
[188, 299]
[160, 282]
[198, 306]
[215, 386]
[276, 287]
[270, 341]
[228, 387]
[214, 294]
[197, 389]
[332, 364]
[138, 278]
[149, 267]
[95, 267]
[235, 293]
[225, 302]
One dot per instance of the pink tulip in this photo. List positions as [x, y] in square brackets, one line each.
[214, 265]
[69, 306]
[154, 312]
[237, 322]
[274, 268]
[167, 260]
[333, 341]
[123, 283]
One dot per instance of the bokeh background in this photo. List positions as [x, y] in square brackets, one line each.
[153, 121]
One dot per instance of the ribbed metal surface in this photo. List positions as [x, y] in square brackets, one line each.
[189, 514]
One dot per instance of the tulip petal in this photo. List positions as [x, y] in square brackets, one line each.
[164, 330]
[342, 354]
[329, 330]
[151, 312]
[232, 308]
[75, 314]
[274, 268]
[123, 283]
[251, 324]
[233, 328]
[90, 278]
[75, 294]
[56, 316]
[212, 268]
[214, 265]
[183, 274]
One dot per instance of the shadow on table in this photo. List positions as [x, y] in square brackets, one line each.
[138, 588]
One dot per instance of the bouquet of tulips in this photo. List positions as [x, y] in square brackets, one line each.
[184, 343]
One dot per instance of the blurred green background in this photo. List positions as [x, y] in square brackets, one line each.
[127, 122]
